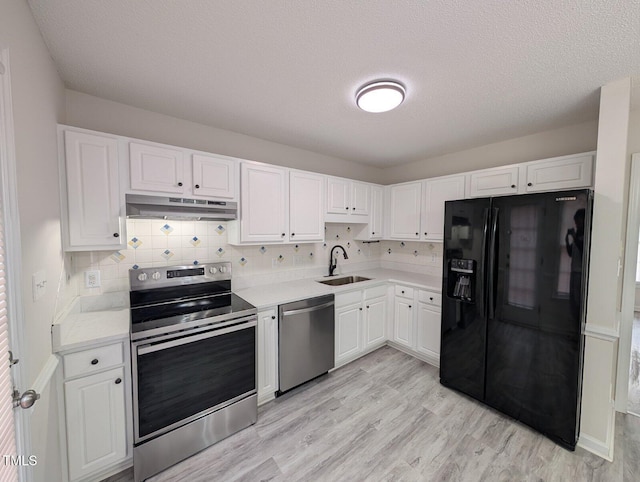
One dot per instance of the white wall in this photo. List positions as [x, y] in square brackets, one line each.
[559, 142]
[89, 112]
[38, 104]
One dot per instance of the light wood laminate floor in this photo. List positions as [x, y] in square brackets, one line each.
[385, 417]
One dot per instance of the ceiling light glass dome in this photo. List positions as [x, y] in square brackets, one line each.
[380, 96]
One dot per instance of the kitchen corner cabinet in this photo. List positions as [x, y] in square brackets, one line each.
[436, 192]
[93, 209]
[267, 354]
[347, 201]
[404, 211]
[306, 201]
[263, 207]
[97, 411]
[374, 229]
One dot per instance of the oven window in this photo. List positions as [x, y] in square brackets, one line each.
[179, 382]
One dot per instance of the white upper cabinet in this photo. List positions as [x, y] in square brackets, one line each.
[436, 192]
[157, 169]
[306, 201]
[567, 172]
[373, 230]
[347, 201]
[93, 202]
[214, 177]
[404, 211]
[264, 204]
[494, 182]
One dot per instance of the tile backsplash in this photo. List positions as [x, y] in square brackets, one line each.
[166, 243]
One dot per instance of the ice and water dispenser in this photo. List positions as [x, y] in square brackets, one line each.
[462, 279]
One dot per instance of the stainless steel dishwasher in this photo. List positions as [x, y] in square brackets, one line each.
[306, 334]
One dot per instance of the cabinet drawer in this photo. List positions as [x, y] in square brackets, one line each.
[404, 291]
[92, 360]
[375, 292]
[351, 298]
[430, 298]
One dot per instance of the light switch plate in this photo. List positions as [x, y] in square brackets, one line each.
[92, 279]
[39, 283]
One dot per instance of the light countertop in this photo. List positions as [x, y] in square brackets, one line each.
[278, 293]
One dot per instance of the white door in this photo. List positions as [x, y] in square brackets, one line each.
[428, 341]
[405, 211]
[403, 322]
[96, 426]
[376, 214]
[264, 204]
[306, 206]
[267, 354]
[214, 177]
[375, 321]
[93, 191]
[348, 333]
[360, 193]
[338, 196]
[157, 169]
[436, 193]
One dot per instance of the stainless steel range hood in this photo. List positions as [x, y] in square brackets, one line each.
[160, 207]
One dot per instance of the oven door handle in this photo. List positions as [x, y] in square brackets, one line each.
[145, 349]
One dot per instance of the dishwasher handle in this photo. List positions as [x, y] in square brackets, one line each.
[308, 310]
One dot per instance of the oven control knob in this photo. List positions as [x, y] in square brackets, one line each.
[223, 269]
[142, 277]
[213, 270]
[156, 275]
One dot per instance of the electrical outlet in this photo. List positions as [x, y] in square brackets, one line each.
[92, 279]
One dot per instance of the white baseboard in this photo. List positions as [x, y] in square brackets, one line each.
[595, 446]
[431, 360]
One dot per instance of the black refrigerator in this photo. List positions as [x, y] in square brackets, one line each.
[513, 305]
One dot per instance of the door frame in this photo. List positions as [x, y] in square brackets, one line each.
[628, 287]
[8, 180]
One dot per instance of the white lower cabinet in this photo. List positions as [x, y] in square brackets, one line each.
[360, 320]
[416, 322]
[267, 354]
[97, 411]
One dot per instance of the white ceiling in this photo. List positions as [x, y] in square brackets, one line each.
[476, 72]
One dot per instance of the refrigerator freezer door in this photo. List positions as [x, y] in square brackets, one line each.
[463, 323]
[534, 341]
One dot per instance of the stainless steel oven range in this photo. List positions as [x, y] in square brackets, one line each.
[193, 350]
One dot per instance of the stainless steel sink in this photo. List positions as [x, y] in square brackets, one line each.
[347, 280]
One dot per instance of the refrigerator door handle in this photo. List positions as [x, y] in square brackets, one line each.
[493, 256]
[482, 266]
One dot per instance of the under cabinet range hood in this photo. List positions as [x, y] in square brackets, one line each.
[161, 207]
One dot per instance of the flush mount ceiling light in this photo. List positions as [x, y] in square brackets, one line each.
[380, 96]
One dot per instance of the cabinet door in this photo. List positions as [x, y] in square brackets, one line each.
[375, 320]
[376, 214]
[348, 333]
[264, 204]
[428, 341]
[93, 193]
[267, 354]
[306, 212]
[555, 174]
[155, 168]
[214, 177]
[494, 182]
[436, 193]
[403, 322]
[405, 211]
[360, 193]
[338, 196]
[95, 417]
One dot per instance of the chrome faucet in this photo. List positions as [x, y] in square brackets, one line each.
[334, 263]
